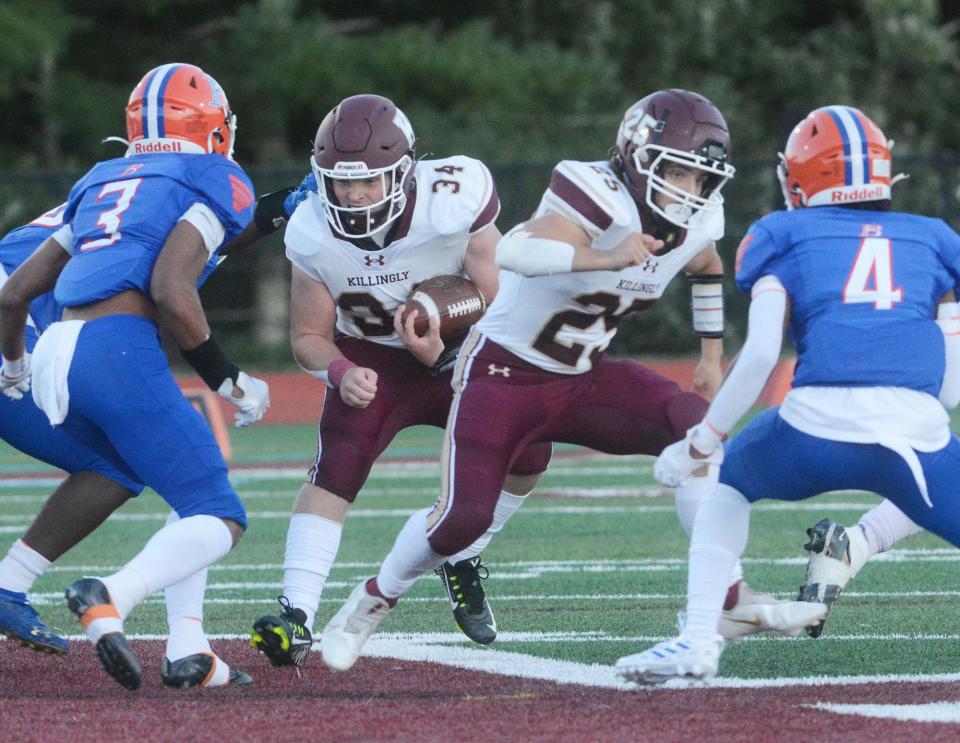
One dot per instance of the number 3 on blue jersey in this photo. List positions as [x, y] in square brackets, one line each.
[110, 218]
[871, 277]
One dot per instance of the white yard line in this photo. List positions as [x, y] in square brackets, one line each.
[430, 648]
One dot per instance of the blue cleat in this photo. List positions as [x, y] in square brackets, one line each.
[20, 622]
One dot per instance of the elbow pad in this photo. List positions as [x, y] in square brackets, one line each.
[524, 254]
[706, 303]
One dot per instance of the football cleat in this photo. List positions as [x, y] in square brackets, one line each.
[89, 601]
[760, 612]
[836, 556]
[345, 634]
[198, 670]
[284, 638]
[693, 658]
[20, 622]
[468, 600]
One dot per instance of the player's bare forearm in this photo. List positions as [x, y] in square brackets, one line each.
[313, 350]
[708, 375]
[13, 320]
[711, 350]
[705, 263]
[37, 275]
[173, 286]
[182, 316]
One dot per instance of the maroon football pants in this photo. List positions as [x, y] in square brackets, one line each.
[351, 439]
[503, 405]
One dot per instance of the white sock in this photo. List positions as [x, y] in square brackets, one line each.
[410, 557]
[186, 636]
[884, 526]
[312, 546]
[219, 674]
[184, 601]
[21, 567]
[688, 499]
[719, 538]
[507, 505]
[175, 552]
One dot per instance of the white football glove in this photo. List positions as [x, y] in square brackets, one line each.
[253, 399]
[675, 465]
[15, 377]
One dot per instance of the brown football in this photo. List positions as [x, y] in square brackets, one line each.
[454, 299]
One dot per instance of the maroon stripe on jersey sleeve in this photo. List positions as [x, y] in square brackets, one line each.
[569, 192]
[489, 212]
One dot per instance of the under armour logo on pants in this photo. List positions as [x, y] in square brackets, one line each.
[505, 371]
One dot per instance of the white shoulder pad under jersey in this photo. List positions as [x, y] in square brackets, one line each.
[429, 238]
[463, 195]
[562, 322]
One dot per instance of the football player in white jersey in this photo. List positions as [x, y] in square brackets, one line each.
[606, 240]
[379, 223]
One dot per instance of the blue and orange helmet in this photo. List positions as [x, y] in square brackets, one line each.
[179, 108]
[837, 155]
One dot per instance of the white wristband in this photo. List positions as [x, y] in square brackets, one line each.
[706, 301]
[520, 252]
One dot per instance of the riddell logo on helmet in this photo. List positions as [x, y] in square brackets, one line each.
[148, 146]
[350, 167]
[870, 193]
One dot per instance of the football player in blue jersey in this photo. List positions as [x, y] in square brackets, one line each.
[92, 491]
[859, 288]
[143, 232]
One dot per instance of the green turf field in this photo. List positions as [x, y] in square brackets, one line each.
[587, 571]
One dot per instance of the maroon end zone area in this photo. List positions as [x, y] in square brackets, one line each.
[45, 698]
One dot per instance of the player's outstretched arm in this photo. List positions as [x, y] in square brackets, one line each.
[313, 316]
[552, 244]
[35, 276]
[739, 391]
[173, 287]
[271, 212]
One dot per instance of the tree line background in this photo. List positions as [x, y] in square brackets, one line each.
[519, 85]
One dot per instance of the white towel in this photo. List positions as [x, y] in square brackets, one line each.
[51, 365]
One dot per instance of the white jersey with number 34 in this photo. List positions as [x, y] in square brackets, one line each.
[454, 198]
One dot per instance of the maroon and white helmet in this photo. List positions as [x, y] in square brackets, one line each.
[365, 136]
[680, 127]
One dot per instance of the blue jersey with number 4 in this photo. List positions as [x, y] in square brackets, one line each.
[864, 288]
[122, 211]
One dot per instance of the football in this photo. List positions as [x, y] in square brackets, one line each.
[454, 299]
